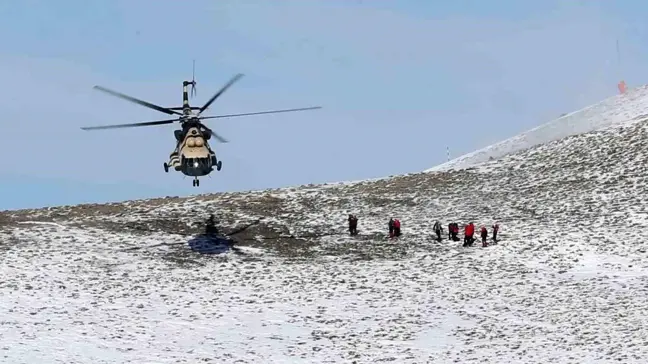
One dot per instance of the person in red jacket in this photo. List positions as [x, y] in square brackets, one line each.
[469, 231]
[484, 236]
[397, 227]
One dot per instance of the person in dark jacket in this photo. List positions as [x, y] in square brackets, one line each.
[484, 236]
[210, 226]
[353, 225]
[437, 230]
[495, 231]
[391, 227]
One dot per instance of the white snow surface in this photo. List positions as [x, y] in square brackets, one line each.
[609, 112]
[117, 283]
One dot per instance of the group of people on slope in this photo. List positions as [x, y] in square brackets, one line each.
[469, 233]
[394, 226]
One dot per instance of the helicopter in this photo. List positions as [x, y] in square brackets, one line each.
[192, 156]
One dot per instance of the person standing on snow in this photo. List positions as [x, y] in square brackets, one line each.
[495, 230]
[453, 231]
[437, 230]
[469, 231]
[353, 225]
[397, 227]
[210, 226]
[484, 236]
[391, 227]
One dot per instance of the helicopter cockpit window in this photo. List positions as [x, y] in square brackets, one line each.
[193, 162]
[196, 162]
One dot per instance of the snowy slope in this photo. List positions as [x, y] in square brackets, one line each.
[614, 110]
[118, 283]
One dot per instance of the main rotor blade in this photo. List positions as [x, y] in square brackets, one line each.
[214, 134]
[220, 138]
[116, 126]
[260, 112]
[137, 101]
[227, 85]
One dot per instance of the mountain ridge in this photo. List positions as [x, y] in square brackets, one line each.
[611, 111]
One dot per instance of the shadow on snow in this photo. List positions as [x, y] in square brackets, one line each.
[205, 244]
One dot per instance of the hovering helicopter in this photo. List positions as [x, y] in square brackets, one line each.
[192, 155]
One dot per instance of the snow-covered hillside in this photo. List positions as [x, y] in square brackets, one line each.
[612, 111]
[119, 283]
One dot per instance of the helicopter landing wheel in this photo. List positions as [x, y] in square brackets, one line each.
[166, 167]
[196, 182]
[219, 165]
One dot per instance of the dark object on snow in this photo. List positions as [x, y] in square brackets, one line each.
[484, 236]
[211, 244]
[391, 228]
[210, 226]
[495, 230]
[353, 225]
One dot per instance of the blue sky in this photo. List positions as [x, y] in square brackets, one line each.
[399, 82]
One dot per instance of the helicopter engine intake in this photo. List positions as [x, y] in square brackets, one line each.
[195, 142]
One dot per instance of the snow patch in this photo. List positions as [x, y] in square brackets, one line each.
[42, 223]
